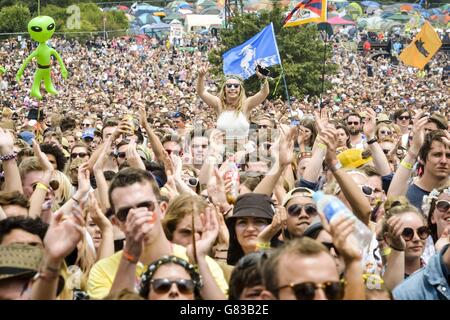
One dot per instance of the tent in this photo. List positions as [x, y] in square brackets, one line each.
[156, 26]
[339, 20]
[197, 21]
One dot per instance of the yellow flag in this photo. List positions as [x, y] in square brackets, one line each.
[423, 47]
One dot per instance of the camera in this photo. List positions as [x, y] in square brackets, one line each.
[264, 71]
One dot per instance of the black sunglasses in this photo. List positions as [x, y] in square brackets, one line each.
[192, 182]
[121, 155]
[385, 132]
[295, 209]
[353, 123]
[422, 232]
[334, 290]
[232, 85]
[79, 155]
[404, 118]
[123, 213]
[161, 286]
[263, 126]
[443, 205]
[54, 185]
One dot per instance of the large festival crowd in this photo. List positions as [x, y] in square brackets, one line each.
[147, 177]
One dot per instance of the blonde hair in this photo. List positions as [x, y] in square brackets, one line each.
[65, 190]
[241, 98]
[180, 207]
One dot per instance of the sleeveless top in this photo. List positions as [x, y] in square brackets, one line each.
[234, 125]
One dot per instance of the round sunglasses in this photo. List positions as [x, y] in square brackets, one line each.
[443, 205]
[295, 209]
[408, 233]
[162, 286]
[334, 290]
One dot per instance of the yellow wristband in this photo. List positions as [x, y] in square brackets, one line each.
[263, 245]
[387, 251]
[406, 165]
[41, 186]
[322, 146]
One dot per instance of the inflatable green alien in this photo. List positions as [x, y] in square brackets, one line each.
[41, 29]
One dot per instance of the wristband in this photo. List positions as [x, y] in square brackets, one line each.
[322, 146]
[41, 186]
[129, 257]
[47, 276]
[372, 141]
[263, 245]
[7, 157]
[406, 165]
[399, 250]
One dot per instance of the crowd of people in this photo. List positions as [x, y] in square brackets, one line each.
[148, 178]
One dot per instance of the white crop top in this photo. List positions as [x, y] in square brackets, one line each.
[235, 125]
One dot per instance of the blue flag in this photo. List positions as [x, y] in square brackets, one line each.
[260, 50]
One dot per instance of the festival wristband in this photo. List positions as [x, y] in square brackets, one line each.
[41, 186]
[263, 245]
[406, 165]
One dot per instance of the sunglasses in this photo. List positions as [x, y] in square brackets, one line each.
[232, 85]
[123, 213]
[191, 182]
[121, 155]
[367, 190]
[161, 286]
[263, 126]
[404, 118]
[443, 205]
[422, 232]
[295, 210]
[54, 185]
[79, 155]
[86, 124]
[334, 290]
[386, 151]
[386, 132]
[353, 123]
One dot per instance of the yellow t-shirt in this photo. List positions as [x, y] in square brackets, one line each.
[104, 271]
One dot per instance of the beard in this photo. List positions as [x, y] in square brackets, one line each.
[354, 131]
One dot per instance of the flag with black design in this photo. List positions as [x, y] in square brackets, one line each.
[423, 47]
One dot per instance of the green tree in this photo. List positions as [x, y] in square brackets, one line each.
[301, 51]
[14, 18]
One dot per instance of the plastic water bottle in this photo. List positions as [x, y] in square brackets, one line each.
[332, 207]
[232, 174]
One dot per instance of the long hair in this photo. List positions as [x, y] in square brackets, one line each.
[241, 98]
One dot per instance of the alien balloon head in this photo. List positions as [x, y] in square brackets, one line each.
[41, 28]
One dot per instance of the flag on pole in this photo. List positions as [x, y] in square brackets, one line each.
[423, 47]
[307, 11]
[261, 50]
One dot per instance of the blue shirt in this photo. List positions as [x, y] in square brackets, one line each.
[429, 283]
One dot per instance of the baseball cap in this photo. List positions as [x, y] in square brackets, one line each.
[440, 120]
[352, 158]
[27, 136]
[19, 260]
[88, 133]
[297, 192]
[382, 117]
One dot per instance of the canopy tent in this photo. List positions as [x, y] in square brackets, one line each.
[370, 4]
[147, 18]
[155, 26]
[340, 21]
[123, 8]
[197, 21]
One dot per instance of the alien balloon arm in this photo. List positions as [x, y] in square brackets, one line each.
[2, 70]
[60, 61]
[25, 63]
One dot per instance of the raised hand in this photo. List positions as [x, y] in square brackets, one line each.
[209, 235]
[418, 132]
[278, 222]
[84, 183]
[370, 124]
[142, 116]
[393, 236]
[341, 229]
[63, 234]
[216, 189]
[96, 213]
[140, 222]
[321, 118]
[203, 70]
[329, 138]
[6, 142]
[42, 158]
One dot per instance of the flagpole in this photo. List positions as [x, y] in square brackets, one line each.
[323, 72]
[282, 72]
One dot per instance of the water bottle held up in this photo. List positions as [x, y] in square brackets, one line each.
[332, 207]
[232, 174]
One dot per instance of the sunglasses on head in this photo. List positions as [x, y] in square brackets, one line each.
[355, 123]
[403, 118]
[123, 212]
[334, 290]
[79, 155]
[443, 205]
[161, 286]
[232, 85]
[191, 182]
[408, 233]
[295, 209]
[54, 185]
